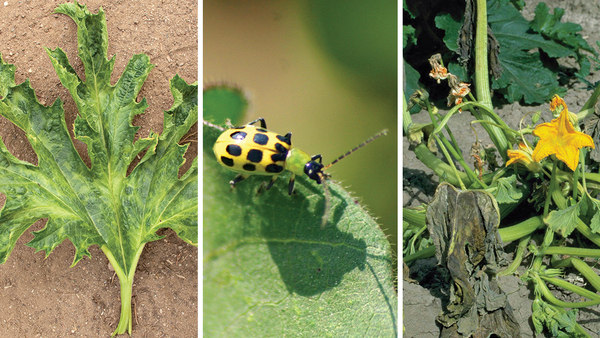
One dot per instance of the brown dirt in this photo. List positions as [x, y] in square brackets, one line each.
[44, 297]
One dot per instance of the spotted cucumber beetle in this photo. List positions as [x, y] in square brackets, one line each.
[250, 150]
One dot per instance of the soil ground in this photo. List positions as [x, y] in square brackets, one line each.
[421, 305]
[45, 297]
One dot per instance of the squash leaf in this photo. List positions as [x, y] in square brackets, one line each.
[270, 270]
[101, 205]
[528, 49]
[564, 221]
[224, 101]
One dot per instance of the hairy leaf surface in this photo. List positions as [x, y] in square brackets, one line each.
[271, 270]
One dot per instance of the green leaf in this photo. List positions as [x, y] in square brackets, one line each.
[411, 84]
[558, 321]
[101, 205]
[451, 27]
[590, 212]
[409, 37]
[270, 270]
[523, 74]
[222, 102]
[564, 33]
[507, 191]
[563, 222]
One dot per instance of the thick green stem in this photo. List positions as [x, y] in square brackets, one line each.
[522, 229]
[406, 118]
[595, 299]
[425, 253]
[482, 86]
[126, 282]
[579, 252]
[413, 217]
[442, 169]
[551, 189]
[125, 321]
[482, 81]
[517, 259]
[588, 107]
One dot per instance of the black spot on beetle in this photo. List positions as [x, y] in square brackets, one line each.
[227, 161]
[249, 167]
[239, 135]
[284, 139]
[234, 150]
[274, 168]
[278, 157]
[261, 139]
[262, 130]
[280, 148]
[255, 155]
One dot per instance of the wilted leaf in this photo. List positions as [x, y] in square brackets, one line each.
[464, 228]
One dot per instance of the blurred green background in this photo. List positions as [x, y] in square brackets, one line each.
[327, 72]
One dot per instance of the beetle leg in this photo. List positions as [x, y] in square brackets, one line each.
[268, 186]
[291, 185]
[237, 179]
[263, 124]
[317, 157]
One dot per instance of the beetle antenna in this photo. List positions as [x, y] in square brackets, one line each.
[381, 133]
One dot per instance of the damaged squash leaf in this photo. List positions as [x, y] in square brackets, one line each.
[101, 205]
[464, 229]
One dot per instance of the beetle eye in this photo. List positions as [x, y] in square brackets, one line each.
[313, 170]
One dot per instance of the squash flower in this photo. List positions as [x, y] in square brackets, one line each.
[458, 90]
[523, 156]
[438, 72]
[560, 138]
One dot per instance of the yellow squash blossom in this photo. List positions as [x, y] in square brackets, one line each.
[560, 138]
[523, 156]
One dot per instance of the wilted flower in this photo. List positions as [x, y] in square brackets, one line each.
[438, 71]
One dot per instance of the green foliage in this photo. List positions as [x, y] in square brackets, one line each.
[564, 33]
[101, 205]
[451, 27]
[525, 75]
[564, 221]
[414, 238]
[270, 269]
[222, 102]
[560, 323]
[506, 190]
